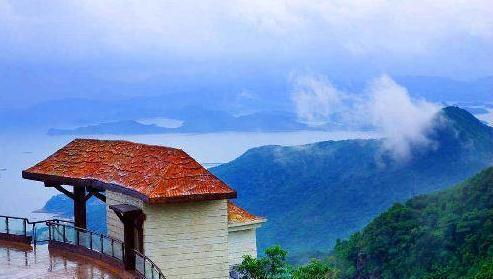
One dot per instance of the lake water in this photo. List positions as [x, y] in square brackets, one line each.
[19, 197]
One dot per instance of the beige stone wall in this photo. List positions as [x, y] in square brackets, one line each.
[188, 240]
[241, 241]
[113, 223]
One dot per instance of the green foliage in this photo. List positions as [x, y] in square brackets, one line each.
[485, 270]
[274, 266]
[329, 190]
[448, 234]
[315, 270]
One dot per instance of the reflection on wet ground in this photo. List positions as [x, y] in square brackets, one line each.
[22, 261]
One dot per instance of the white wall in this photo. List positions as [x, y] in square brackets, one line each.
[188, 240]
[240, 243]
[113, 223]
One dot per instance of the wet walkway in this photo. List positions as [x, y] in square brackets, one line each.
[22, 261]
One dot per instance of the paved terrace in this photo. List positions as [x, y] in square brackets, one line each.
[56, 249]
[24, 261]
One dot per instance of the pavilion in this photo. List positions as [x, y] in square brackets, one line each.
[159, 200]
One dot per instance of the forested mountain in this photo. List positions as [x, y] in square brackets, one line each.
[314, 194]
[448, 234]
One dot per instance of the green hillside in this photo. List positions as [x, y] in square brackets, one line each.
[448, 234]
[314, 194]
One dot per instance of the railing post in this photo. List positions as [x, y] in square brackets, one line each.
[49, 232]
[101, 241]
[25, 227]
[90, 240]
[112, 248]
[64, 237]
[7, 225]
[77, 240]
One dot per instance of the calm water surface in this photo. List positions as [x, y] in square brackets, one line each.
[20, 197]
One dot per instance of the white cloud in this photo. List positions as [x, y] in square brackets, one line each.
[315, 99]
[403, 122]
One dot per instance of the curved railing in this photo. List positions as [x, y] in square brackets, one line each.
[22, 230]
[147, 268]
[64, 234]
[100, 245]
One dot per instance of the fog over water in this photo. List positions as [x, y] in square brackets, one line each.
[17, 152]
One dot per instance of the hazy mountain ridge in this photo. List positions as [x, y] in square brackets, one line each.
[201, 121]
[327, 190]
[182, 103]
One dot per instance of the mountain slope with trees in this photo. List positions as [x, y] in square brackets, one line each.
[317, 193]
[448, 234]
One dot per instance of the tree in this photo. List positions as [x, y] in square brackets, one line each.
[315, 270]
[272, 266]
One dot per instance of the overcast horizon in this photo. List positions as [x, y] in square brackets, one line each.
[81, 49]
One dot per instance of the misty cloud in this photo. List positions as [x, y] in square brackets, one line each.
[315, 99]
[402, 121]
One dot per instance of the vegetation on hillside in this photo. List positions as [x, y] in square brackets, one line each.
[274, 266]
[448, 234]
[317, 193]
[445, 235]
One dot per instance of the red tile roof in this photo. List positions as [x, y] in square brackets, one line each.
[238, 215]
[152, 173]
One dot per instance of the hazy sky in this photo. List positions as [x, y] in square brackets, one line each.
[136, 41]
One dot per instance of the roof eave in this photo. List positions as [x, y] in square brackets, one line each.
[194, 197]
[255, 224]
[26, 174]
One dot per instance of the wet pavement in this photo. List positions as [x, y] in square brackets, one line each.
[22, 261]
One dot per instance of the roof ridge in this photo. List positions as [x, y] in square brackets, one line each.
[129, 142]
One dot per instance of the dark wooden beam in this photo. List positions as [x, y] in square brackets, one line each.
[100, 196]
[96, 193]
[88, 196]
[80, 207]
[60, 188]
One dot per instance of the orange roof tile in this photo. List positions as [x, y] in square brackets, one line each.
[238, 215]
[153, 173]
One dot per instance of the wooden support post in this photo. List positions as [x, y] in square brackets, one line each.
[132, 218]
[80, 207]
[129, 240]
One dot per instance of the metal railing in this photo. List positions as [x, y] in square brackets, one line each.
[13, 225]
[93, 241]
[18, 226]
[63, 231]
[147, 268]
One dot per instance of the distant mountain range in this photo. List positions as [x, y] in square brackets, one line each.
[218, 102]
[201, 122]
[317, 193]
[443, 235]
